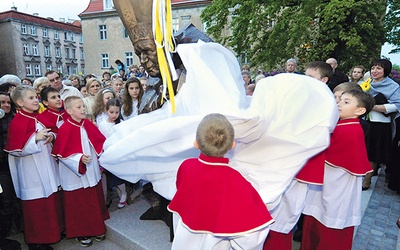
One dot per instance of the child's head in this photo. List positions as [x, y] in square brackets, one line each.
[143, 82]
[346, 86]
[93, 86]
[117, 85]
[51, 98]
[355, 103]
[133, 89]
[319, 70]
[25, 97]
[41, 83]
[357, 73]
[215, 135]
[113, 107]
[101, 99]
[75, 107]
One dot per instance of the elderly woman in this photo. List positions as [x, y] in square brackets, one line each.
[75, 80]
[92, 87]
[386, 93]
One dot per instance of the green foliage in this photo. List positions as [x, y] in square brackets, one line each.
[392, 24]
[350, 31]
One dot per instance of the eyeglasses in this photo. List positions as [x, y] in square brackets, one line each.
[55, 79]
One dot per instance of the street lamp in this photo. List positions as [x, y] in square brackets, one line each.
[111, 69]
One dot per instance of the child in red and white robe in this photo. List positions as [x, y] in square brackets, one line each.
[334, 209]
[79, 143]
[216, 207]
[34, 172]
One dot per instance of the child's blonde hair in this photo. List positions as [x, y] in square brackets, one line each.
[68, 101]
[215, 135]
[346, 86]
[19, 93]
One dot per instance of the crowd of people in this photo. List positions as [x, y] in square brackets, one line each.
[45, 181]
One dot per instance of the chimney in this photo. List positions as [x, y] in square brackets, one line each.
[62, 19]
[35, 14]
[50, 18]
[14, 8]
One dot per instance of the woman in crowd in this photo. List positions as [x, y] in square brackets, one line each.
[92, 87]
[386, 93]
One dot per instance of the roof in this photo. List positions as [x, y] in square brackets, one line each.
[93, 7]
[13, 15]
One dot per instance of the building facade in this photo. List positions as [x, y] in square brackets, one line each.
[32, 45]
[105, 38]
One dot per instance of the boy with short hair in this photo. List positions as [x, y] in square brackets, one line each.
[54, 116]
[217, 207]
[332, 210]
[319, 70]
[33, 172]
[78, 144]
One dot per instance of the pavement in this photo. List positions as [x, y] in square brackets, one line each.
[378, 229]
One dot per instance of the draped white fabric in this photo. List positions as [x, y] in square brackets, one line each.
[288, 121]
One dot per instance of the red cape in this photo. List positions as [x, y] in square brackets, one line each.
[49, 118]
[212, 197]
[69, 140]
[21, 128]
[347, 149]
[313, 170]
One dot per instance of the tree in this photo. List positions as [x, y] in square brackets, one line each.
[270, 32]
[392, 24]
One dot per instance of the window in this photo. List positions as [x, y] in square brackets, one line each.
[67, 53]
[66, 36]
[56, 34]
[48, 67]
[125, 33]
[26, 49]
[75, 70]
[37, 70]
[73, 53]
[80, 38]
[82, 55]
[58, 52]
[35, 50]
[128, 58]
[186, 20]
[175, 24]
[23, 28]
[108, 4]
[45, 33]
[104, 61]
[69, 70]
[47, 51]
[103, 32]
[33, 30]
[28, 69]
[59, 68]
[73, 37]
[83, 69]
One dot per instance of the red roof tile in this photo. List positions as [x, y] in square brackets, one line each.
[41, 21]
[94, 6]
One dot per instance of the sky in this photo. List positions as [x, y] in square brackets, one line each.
[70, 9]
[48, 8]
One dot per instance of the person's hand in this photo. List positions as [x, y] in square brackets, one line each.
[86, 159]
[43, 135]
[49, 138]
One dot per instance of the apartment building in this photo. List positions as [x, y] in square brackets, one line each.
[32, 45]
[106, 40]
